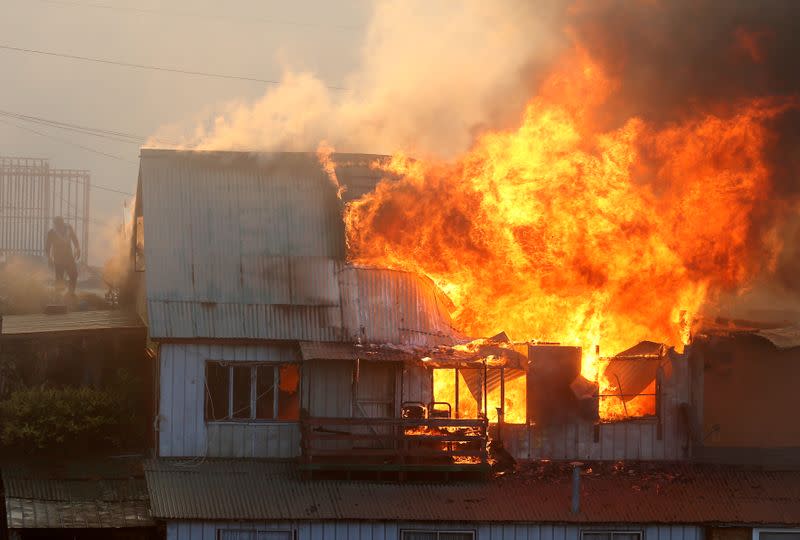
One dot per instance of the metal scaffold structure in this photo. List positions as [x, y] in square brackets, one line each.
[31, 194]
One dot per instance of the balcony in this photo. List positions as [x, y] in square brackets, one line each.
[394, 448]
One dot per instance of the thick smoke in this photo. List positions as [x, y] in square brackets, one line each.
[674, 58]
[432, 76]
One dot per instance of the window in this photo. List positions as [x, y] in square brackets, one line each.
[611, 535]
[437, 535]
[776, 534]
[236, 391]
[254, 535]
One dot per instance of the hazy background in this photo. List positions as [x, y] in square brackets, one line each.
[254, 38]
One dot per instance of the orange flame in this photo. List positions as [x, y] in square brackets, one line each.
[324, 155]
[557, 231]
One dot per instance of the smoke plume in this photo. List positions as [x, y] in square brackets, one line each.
[432, 76]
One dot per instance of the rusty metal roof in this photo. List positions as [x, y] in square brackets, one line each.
[610, 493]
[78, 322]
[82, 497]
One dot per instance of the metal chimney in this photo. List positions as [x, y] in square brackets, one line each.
[576, 486]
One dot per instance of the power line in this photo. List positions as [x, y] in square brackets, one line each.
[209, 16]
[67, 141]
[118, 136]
[146, 66]
[104, 188]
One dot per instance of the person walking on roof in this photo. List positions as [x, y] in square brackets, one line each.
[60, 240]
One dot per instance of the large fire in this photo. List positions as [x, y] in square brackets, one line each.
[562, 231]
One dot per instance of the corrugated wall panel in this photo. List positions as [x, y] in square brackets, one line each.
[329, 386]
[346, 530]
[226, 229]
[387, 306]
[251, 321]
[183, 430]
[417, 383]
[627, 440]
[234, 439]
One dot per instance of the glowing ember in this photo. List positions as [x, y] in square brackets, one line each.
[558, 231]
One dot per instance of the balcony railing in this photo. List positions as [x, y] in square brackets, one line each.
[397, 445]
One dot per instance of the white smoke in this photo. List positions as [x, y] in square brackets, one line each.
[432, 76]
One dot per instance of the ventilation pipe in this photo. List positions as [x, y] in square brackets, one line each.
[576, 486]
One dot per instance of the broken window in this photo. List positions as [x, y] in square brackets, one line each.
[252, 391]
[630, 382]
[437, 535]
[504, 388]
[459, 388]
[507, 389]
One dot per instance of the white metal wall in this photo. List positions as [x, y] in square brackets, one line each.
[182, 427]
[348, 530]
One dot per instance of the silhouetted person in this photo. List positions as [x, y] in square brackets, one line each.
[60, 240]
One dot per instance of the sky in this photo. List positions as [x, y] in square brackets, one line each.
[248, 38]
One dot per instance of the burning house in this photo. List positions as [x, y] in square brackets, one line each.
[291, 379]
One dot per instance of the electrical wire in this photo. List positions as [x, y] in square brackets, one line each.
[147, 66]
[95, 132]
[112, 190]
[209, 16]
[69, 142]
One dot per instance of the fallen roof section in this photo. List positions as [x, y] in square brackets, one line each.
[782, 338]
[82, 496]
[327, 350]
[611, 493]
[77, 323]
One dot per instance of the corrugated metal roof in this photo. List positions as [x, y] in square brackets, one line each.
[83, 497]
[258, 490]
[75, 322]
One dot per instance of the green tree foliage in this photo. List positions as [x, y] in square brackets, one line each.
[70, 420]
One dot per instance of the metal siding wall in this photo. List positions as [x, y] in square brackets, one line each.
[417, 383]
[171, 319]
[633, 440]
[330, 388]
[346, 530]
[183, 431]
[237, 236]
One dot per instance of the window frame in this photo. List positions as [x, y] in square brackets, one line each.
[612, 532]
[756, 534]
[229, 419]
[290, 532]
[438, 532]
